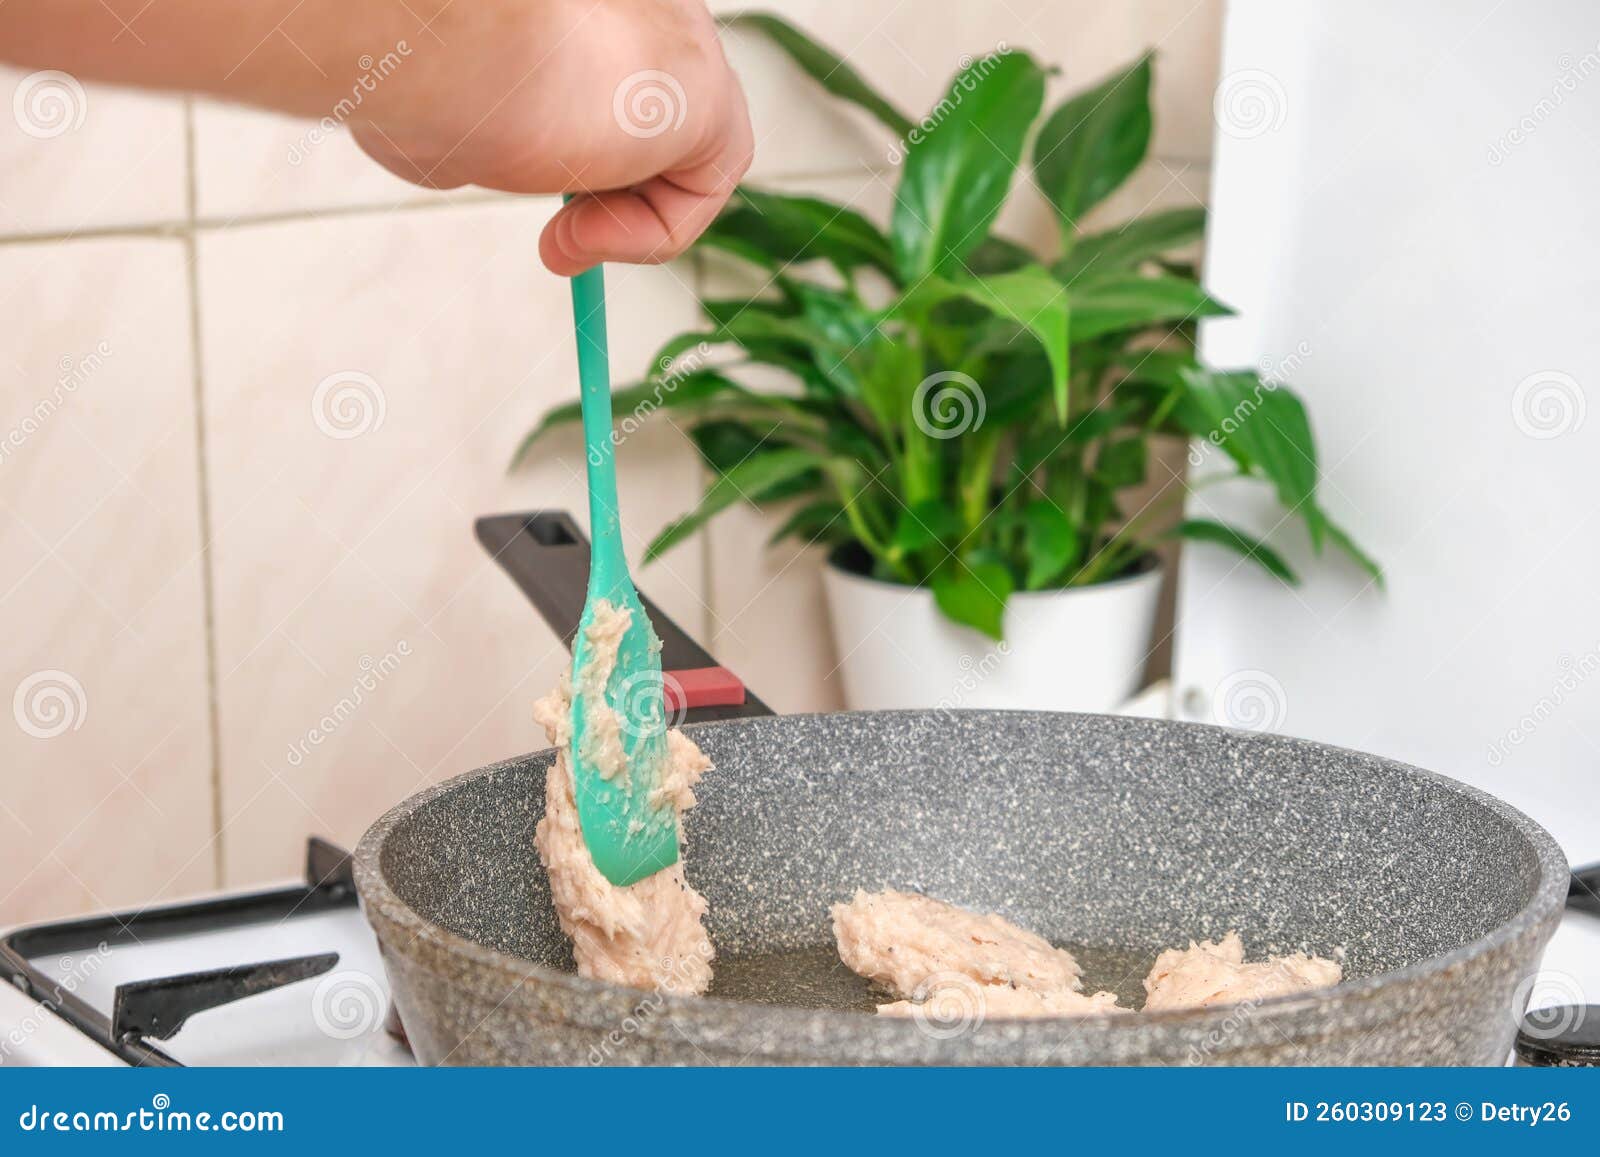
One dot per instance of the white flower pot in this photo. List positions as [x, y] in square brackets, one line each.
[1082, 649]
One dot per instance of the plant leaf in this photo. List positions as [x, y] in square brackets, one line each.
[1139, 240]
[1153, 384]
[1099, 508]
[818, 337]
[1096, 423]
[1016, 383]
[661, 392]
[824, 66]
[975, 595]
[998, 255]
[1052, 542]
[728, 242]
[1029, 297]
[958, 170]
[1093, 142]
[839, 319]
[755, 319]
[1121, 464]
[887, 372]
[755, 475]
[1036, 301]
[726, 443]
[1130, 301]
[1341, 539]
[1204, 530]
[1264, 428]
[786, 230]
[927, 523]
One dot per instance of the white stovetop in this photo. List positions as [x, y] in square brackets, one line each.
[334, 1019]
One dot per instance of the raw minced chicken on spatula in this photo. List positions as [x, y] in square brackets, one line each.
[649, 934]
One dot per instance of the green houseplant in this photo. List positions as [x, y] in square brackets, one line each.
[964, 413]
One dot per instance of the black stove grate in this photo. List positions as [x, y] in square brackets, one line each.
[146, 1011]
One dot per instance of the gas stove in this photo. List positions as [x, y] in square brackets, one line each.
[286, 976]
[292, 976]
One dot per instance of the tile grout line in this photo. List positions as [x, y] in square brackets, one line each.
[191, 225]
[192, 222]
[203, 487]
[167, 229]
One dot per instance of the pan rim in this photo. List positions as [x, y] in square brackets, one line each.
[1541, 909]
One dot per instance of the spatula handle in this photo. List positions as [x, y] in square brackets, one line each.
[609, 565]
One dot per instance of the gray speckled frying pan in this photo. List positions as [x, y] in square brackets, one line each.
[1116, 837]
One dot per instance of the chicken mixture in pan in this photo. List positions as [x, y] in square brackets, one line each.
[911, 945]
[651, 934]
[914, 947]
[1216, 973]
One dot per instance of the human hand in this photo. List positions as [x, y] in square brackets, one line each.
[628, 104]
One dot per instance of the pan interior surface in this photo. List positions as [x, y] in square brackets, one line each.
[1114, 837]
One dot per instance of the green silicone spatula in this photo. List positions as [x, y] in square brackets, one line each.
[627, 837]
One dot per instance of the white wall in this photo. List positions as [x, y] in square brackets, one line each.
[1409, 191]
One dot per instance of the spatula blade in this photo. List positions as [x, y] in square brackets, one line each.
[619, 753]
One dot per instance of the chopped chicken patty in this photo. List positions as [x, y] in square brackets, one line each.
[917, 947]
[899, 939]
[1215, 972]
[649, 934]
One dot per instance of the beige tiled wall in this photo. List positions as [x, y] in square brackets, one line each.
[105, 762]
[256, 390]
